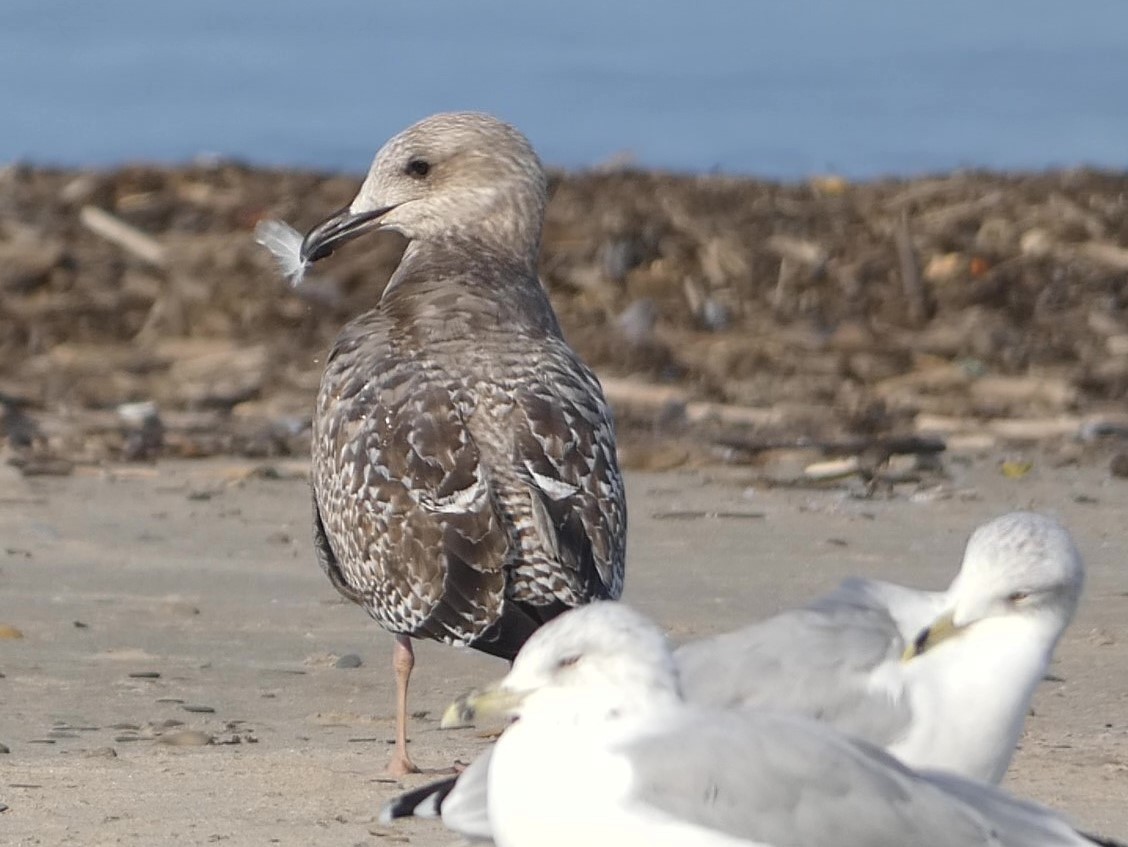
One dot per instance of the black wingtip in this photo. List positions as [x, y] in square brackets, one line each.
[423, 802]
[1103, 842]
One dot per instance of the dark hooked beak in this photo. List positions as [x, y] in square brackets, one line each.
[338, 228]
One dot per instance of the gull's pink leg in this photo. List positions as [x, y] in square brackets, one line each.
[403, 660]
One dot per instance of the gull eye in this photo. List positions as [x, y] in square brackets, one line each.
[418, 168]
[1018, 596]
[568, 661]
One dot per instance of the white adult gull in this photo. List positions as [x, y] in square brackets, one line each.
[606, 751]
[466, 487]
[942, 680]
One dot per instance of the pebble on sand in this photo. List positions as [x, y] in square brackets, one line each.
[187, 738]
[349, 660]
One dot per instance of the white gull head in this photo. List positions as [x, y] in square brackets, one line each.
[592, 665]
[977, 665]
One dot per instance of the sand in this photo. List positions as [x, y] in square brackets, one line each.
[204, 574]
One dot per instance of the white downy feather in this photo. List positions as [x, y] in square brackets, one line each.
[284, 243]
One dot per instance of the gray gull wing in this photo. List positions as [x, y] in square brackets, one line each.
[780, 780]
[816, 662]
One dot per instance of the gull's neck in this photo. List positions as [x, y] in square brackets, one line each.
[969, 696]
[465, 280]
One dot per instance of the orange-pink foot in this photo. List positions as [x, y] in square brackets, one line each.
[401, 765]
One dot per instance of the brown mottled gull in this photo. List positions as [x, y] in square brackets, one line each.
[465, 481]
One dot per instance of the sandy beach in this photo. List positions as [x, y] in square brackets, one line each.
[177, 678]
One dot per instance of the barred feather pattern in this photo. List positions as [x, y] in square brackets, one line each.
[464, 457]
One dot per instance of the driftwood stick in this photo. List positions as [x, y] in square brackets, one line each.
[1013, 429]
[118, 232]
[911, 281]
[799, 250]
[1106, 254]
[642, 398]
[635, 395]
[893, 445]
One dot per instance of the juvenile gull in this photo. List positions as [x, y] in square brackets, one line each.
[605, 751]
[465, 480]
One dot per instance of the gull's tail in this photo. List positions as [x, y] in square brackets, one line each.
[1103, 842]
[460, 801]
[423, 802]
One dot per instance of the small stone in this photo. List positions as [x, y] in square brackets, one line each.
[81, 625]
[188, 707]
[1036, 243]
[9, 632]
[637, 321]
[4, 748]
[944, 267]
[180, 608]
[349, 660]
[714, 315]
[145, 675]
[187, 738]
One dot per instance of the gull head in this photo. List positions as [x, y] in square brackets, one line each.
[1022, 566]
[452, 175]
[594, 663]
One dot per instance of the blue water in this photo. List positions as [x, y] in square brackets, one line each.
[780, 88]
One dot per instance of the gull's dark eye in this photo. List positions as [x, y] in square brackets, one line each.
[567, 661]
[418, 168]
[1018, 596]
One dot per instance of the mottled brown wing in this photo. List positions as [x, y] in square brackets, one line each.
[566, 445]
[327, 559]
[404, 496]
